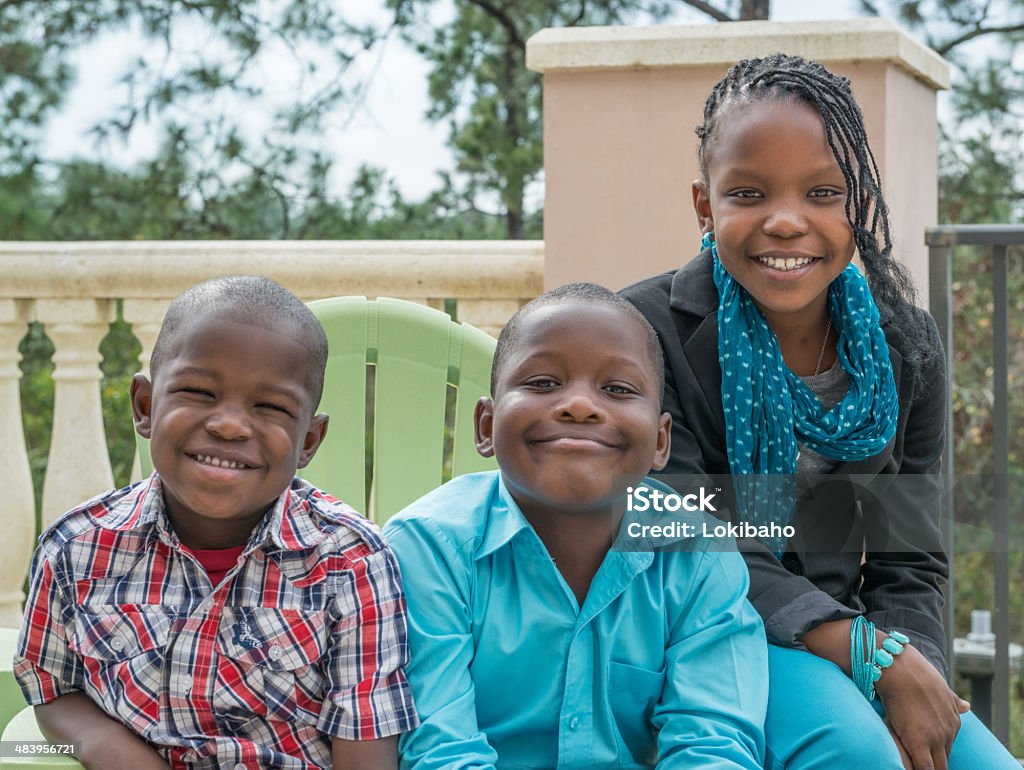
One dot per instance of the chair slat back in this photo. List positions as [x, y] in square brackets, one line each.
[412, 359]
[416, 435]
[340, 464]
[474, 381]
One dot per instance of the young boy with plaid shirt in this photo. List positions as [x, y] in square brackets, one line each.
[222, 613]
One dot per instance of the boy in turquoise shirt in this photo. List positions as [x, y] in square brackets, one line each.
[537, 639]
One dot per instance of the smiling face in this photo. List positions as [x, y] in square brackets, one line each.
[775, 199]
[230, 418]
[576, 413]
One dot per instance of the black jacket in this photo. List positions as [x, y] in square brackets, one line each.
[869, 543]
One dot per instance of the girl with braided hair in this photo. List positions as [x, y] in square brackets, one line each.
[820, 389]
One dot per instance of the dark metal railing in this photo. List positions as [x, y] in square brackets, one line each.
[941, 242]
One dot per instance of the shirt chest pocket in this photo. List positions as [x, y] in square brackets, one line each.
[270, 664]
[634, 692]
[122, 649]
[117, 634]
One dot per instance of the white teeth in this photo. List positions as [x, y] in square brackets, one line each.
[791, 263]
[216, 462]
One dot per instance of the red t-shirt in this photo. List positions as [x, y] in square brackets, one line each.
[217, 562]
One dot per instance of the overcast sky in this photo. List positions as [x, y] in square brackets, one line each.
[390, 131]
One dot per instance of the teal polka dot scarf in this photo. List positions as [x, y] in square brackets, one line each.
[768, 408]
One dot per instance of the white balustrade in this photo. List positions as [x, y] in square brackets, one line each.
[73, 288]
[18, 522]
[79, 464]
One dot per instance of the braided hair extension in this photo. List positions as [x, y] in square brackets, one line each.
[781, 76]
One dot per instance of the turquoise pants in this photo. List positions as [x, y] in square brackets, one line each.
[818, 720]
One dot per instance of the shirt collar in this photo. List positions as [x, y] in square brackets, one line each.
[141, 508]
[291, 524]
[288, 525]
[504, 521]
[693, 287]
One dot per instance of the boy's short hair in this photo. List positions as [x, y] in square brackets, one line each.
[576, 292]
[251, 299]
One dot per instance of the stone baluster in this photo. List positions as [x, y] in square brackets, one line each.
[79, 464]
[145, 317]
[18, 514]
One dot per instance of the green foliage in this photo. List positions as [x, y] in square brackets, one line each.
[205, 95]
[373, 208]
[981, 179]
[32, 83]
[120, 351]
[22, 213]
[480, 85]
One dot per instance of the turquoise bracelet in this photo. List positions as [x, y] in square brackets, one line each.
[867, 659]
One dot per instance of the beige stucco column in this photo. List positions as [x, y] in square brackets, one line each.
[621, 105]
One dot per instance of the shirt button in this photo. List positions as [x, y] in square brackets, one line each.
[117, 643]
[239, 766]
[187, 681]
[275, 652]
[574, 723]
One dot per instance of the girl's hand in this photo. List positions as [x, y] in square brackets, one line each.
[904, 756]
[921, 711]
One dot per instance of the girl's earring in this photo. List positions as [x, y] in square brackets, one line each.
[707, 241]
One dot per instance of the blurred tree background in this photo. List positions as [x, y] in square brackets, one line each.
[213, 176]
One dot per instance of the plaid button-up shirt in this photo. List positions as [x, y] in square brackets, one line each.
[303, 639]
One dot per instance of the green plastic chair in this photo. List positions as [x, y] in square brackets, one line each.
[11, 700]
[17, 721]
[401, 385]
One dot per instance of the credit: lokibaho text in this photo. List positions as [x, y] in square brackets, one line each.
[643, 499]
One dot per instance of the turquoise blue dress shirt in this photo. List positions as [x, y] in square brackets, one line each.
[664, 665]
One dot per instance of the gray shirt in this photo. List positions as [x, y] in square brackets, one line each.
[830, 387]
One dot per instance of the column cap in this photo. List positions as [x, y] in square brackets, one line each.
[850, 40]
